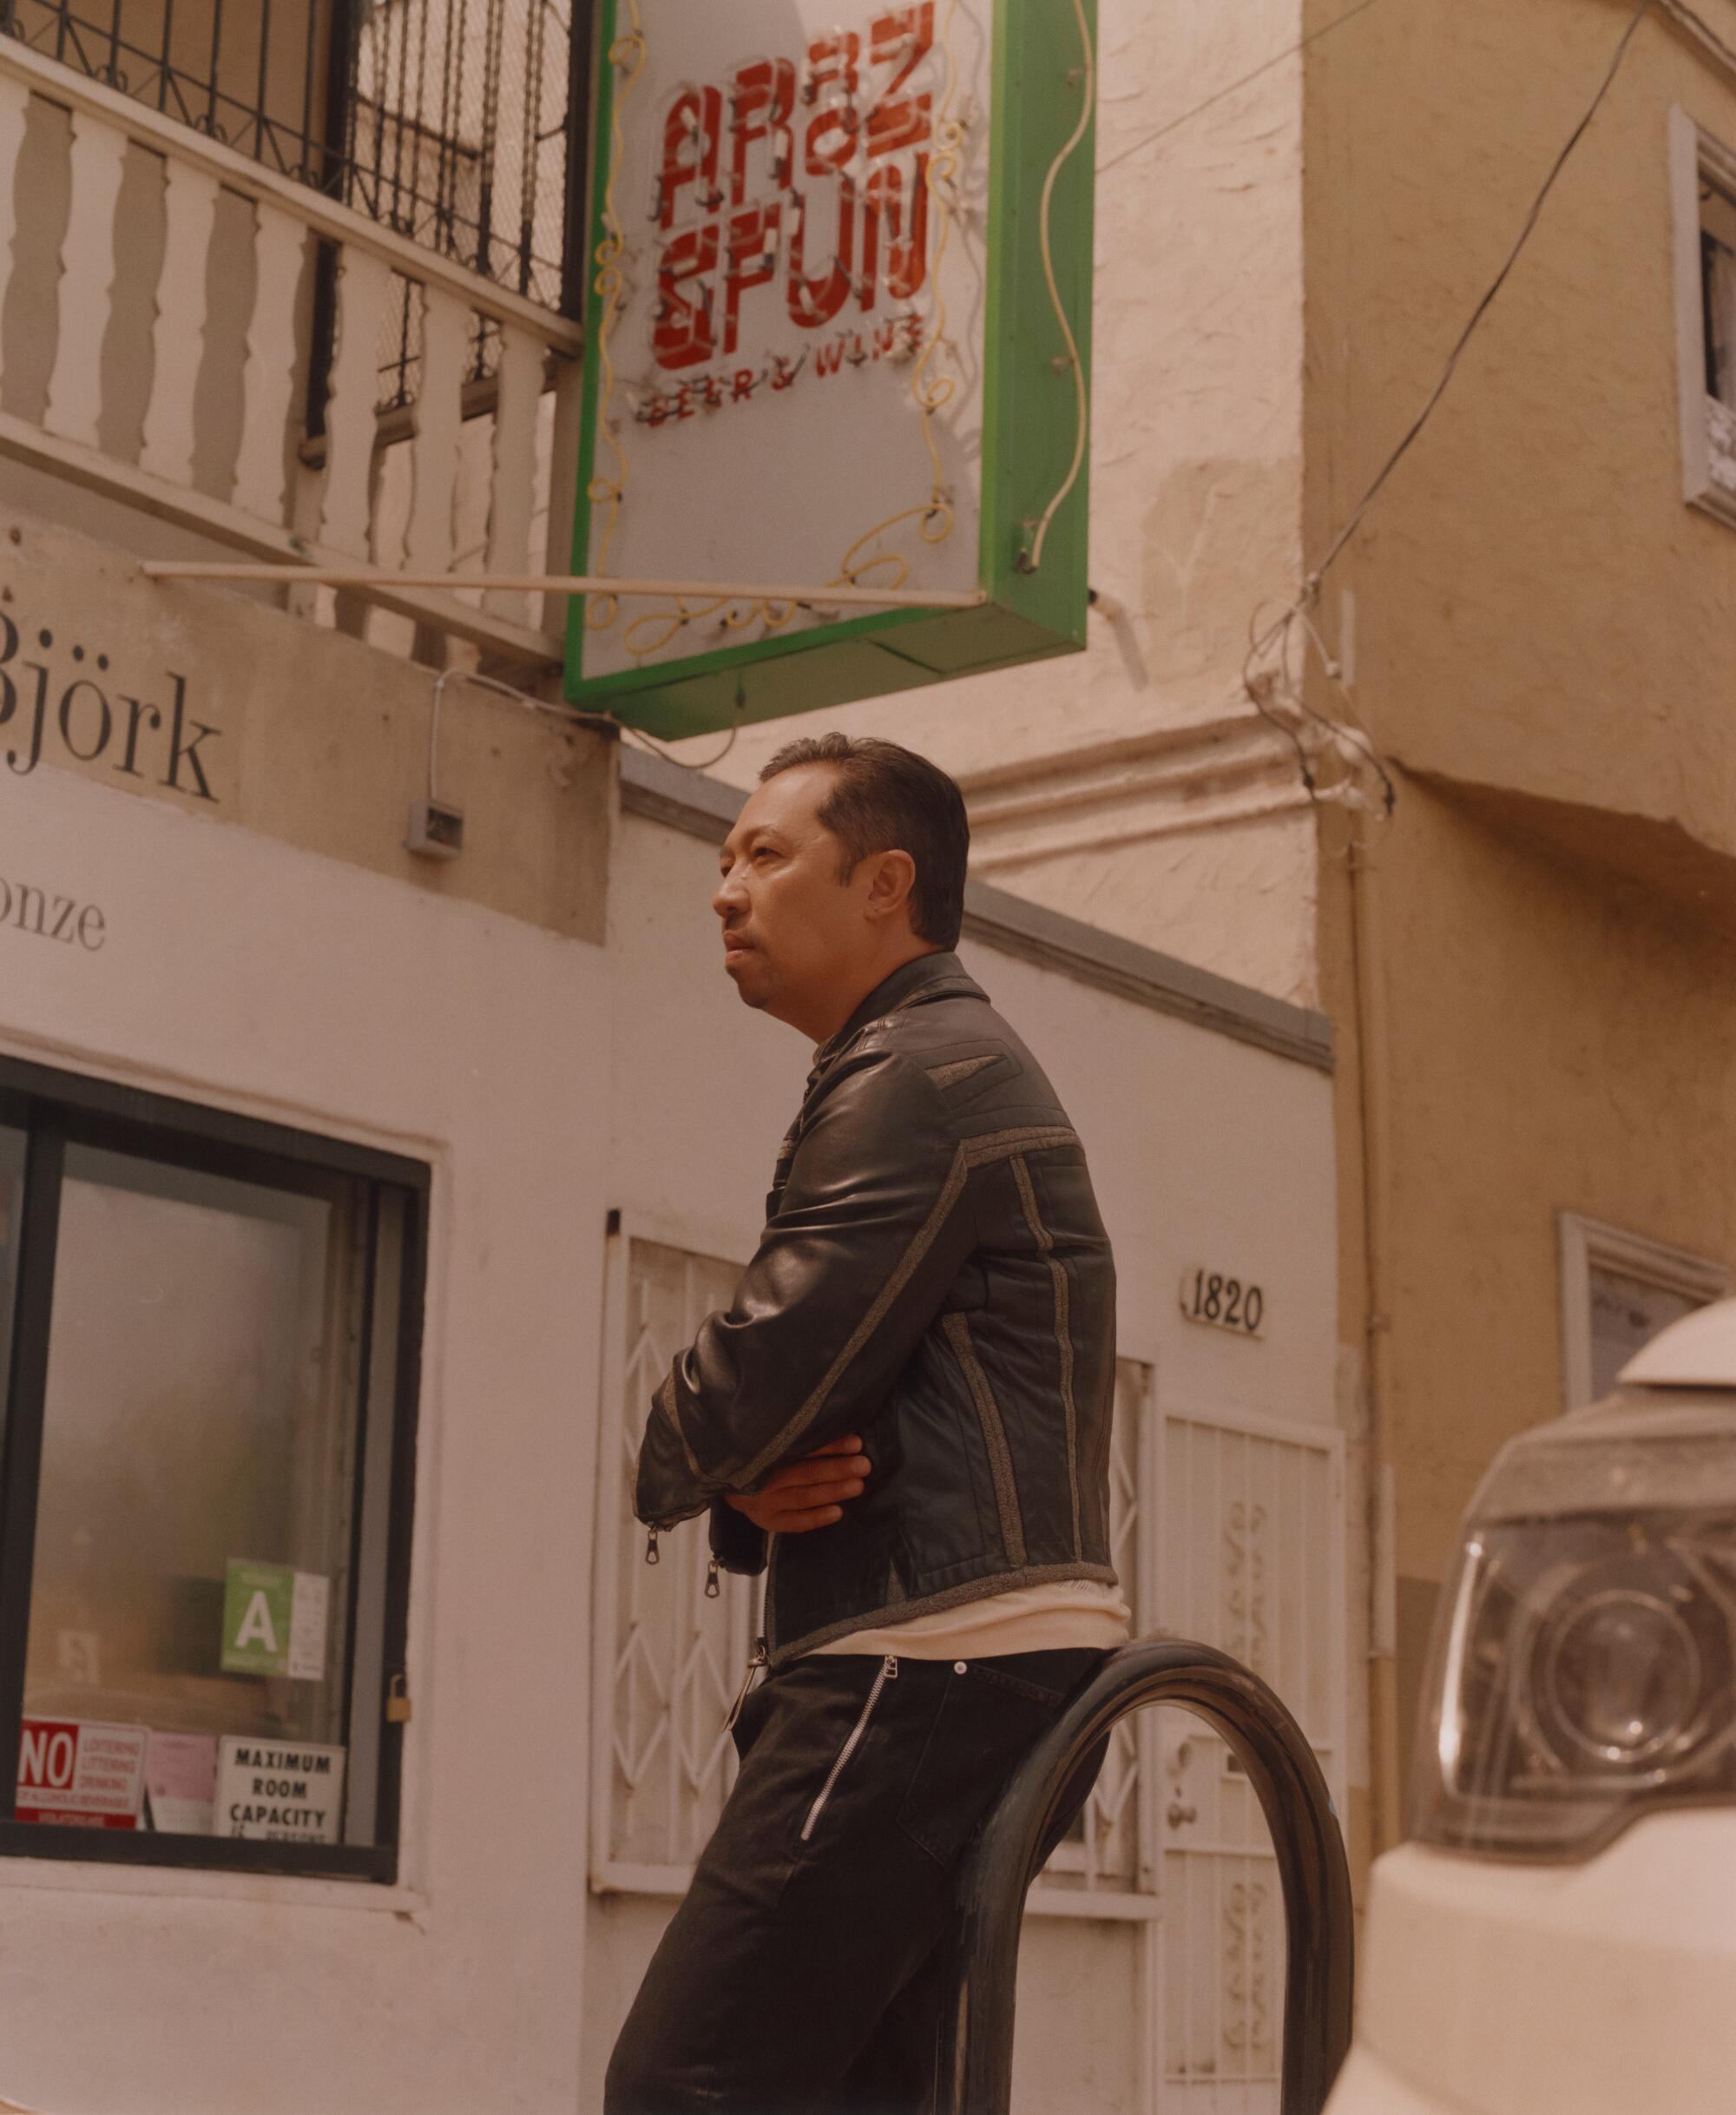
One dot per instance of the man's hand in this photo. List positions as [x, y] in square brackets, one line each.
[807, 1493]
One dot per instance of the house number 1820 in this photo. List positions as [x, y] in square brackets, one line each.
[1222, 1302]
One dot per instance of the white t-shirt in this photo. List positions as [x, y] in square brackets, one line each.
[1066, 1615]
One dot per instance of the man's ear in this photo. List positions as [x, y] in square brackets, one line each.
[893, 877]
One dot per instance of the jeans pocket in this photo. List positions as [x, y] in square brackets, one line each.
[985, 1726]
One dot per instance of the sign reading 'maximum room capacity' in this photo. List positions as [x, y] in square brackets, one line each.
[838, 338]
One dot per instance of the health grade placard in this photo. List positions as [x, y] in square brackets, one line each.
[274, 1621]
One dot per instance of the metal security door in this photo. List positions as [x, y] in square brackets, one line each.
[667, 1655]
[1251, 1562]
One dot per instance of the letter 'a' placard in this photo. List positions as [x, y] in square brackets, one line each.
[838, 336]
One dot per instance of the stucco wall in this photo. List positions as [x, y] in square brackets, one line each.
[313, 738]
[1537, 607]
[1532, 621]
[1556, 1040]
[242, 973]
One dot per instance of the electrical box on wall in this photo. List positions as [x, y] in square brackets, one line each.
[437, 830]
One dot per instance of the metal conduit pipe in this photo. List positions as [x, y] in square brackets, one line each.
[974, 2058]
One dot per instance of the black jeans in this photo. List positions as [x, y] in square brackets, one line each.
[801, 1971]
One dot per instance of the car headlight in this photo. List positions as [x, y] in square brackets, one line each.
[1583, 1670]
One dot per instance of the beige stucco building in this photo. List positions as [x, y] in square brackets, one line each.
[1532, 966]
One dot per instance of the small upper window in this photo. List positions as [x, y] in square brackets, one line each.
[1718, 290]
[1618, 1291]
[208, 1412]
[1703, 185]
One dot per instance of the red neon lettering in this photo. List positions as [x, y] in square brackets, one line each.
[762, 98]
[816, 301]
[754, 235]
[829, 357]
[692, 129]
[743, 384]
[901, 120]
[682, 334]
[831, 137]
[906, 225]
[834, 62]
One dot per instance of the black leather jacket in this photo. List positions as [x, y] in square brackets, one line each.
[934, 1277]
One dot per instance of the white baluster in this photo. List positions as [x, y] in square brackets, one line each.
[364, 287]
[439, 421]
[268, 378]
[87, 279]
[15, 102]
[178, 337]
[515, 468]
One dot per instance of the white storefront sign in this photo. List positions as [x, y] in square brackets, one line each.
[839, 324]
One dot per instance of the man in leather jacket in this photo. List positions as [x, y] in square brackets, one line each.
[903, 1421]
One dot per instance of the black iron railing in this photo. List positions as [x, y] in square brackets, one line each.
[451, 121]
[975, 2056]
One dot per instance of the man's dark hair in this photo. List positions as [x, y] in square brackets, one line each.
[884, 798]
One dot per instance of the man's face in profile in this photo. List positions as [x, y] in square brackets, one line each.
[793, 926]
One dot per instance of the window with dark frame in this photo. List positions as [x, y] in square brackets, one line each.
[1718, 291]
[209, 1345]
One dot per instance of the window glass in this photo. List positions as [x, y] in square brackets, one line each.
[1718, 288]
[1626, 1314]
[11, 1213]
[204, 1507]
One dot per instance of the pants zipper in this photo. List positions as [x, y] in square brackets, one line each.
[753, 1667]
[889, 1668]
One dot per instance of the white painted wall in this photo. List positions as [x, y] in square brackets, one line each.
[241, 973]
[547, 1081]
[1150, 800]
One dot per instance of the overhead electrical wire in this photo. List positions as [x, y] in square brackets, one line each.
[1261, 684]
[1493, 288]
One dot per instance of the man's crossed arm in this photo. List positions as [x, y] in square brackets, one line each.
[809, 1493]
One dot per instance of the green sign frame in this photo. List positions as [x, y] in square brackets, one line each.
[1028, 432]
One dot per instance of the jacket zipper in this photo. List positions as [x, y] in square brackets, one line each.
[889, 1668]
[753, 1667]
[655, 1555]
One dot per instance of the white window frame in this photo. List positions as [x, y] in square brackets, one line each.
[1588, 1245]
[1708, 428]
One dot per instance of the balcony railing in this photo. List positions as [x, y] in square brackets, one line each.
[172, 333]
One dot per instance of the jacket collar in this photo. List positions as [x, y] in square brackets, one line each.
[914, 984]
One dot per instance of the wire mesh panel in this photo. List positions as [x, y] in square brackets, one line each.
[1252, 1562]
[672, 1658]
